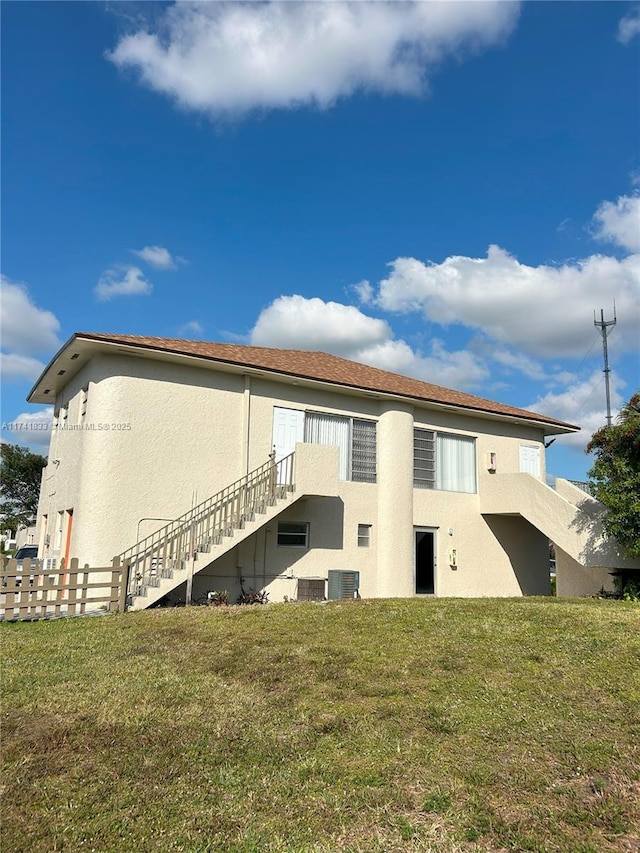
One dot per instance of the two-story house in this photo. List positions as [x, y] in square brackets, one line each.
[211, 466]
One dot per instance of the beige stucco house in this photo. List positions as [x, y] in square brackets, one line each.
[210, 466]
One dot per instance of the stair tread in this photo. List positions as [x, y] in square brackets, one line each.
[214, 544]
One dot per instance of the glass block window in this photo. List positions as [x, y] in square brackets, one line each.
[355, 438]
[363, 451]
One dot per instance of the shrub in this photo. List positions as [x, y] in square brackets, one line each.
[252, 597]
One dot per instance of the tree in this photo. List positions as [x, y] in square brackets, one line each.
[21, 472]
[615, 475]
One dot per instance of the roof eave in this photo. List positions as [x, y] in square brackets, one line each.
[49, 381]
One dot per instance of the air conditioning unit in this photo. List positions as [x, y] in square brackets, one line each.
[343, 583]
[311, 589]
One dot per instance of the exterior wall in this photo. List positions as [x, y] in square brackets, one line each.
[489, 561]
[62, 478]
[574, 580]
[179, 433]
[395, 505]
[169, 437]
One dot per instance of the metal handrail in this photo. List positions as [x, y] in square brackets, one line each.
[206, 524]
[583, 486]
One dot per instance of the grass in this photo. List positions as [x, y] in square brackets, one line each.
[408, 725]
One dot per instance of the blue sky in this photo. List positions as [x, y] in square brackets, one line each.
[443, 190]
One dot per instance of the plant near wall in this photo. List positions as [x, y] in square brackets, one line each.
[615, 475]
[252, 597]
[631, 591]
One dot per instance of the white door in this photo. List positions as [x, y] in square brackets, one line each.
[530, 460]
[288, 429]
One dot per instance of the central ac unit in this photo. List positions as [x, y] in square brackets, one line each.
[343, 583]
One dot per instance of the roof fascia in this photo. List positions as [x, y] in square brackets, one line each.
[89, 346]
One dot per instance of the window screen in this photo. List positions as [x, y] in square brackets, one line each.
[293, 534]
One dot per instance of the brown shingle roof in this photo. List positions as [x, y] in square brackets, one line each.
[323, 367]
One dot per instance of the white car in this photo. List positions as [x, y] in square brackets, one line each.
[26, 552]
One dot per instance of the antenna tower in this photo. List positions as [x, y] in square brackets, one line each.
[603, 325]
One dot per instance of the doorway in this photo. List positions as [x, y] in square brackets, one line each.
[425, 560]
[530, 460]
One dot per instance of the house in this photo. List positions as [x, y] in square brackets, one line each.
[220, 466]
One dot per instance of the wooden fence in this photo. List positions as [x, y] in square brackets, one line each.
[34, 591]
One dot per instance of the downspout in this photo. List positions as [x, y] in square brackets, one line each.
[264, 561]
[246, 423]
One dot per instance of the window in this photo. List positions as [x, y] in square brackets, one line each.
[84, 397]
[364, 535]
[363, 451]
[443, 461]
[293, 534]
[355, 438]
[424, 459]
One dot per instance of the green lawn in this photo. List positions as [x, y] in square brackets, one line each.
[417, 725]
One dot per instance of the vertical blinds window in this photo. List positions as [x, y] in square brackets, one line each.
[456, 466]
[330, 429]
[356, 440]
[444, 461]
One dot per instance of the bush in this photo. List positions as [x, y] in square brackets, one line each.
[631, 591]
[252, 597]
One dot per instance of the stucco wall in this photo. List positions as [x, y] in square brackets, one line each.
[162, 437]
[62, 478]
[574, 580]
[177, 434]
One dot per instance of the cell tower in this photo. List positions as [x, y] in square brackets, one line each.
[603, 325]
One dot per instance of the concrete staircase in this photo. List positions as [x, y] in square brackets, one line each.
[569, 517]
[174, 553]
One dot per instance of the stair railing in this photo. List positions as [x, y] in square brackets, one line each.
[201, 528]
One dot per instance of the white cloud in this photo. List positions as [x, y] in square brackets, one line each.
[619, 222]
[122, 281]
[544, 311]
[459, 369]
[520, 362]
[32, 429]
[582, 404]
[629, 26]
[193, 327]
[511, 361]
[157, 257]
[299, 323]
[364, 291]
[25, 328]
[294, 322]
[15, 367]
[226, 58]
